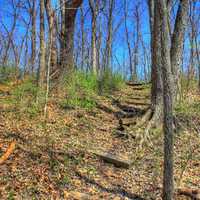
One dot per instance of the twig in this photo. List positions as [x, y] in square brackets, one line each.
[9, 151]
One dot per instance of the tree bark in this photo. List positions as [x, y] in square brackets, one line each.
[94, 7]
[177, 46]
[109, 36]
[82, 39]
[42, 66]
[156, 74]
[128, 41]
[33, 35]
[52, 26]
[168, 179]
[70, 9]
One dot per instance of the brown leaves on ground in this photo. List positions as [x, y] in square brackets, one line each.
[54, 161]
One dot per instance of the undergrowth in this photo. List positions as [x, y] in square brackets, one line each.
[7, 74]
[82, 88]
[26, 98]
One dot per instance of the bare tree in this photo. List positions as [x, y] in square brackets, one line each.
[82, 38]
[32, 11]
[137, 40]
[177, 41]
[52, 21]
[128, 40]
[10, 32]
[94, 7]
[175, 53]
[108, 50]
[42, 66]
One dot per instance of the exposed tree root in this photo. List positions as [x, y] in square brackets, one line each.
[9, 151]
[146, 117]
[149, 120]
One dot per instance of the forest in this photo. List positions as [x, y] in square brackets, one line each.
[100, 99]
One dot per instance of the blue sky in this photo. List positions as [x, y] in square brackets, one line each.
[120, 51]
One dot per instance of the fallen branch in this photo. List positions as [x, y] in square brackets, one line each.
[9, 151]
[194, 194]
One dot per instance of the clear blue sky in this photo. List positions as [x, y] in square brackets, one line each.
[120, 51]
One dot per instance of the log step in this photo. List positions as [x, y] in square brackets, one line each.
[114, 159]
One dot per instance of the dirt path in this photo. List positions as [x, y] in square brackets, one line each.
[55, 158]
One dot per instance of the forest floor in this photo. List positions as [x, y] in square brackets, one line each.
[53, 158]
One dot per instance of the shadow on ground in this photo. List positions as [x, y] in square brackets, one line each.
[117, 191]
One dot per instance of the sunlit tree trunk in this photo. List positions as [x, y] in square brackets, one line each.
[42, 66]
[52, 23]
[33, 35]
[177, 41]
[82, 39]
[156, 73]
[137, 41]
[128, 40]
[94, 7]
[109, 35]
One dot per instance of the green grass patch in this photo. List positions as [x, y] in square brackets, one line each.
[82, 88]
[27, 98]
[189, 109]
[7, 73]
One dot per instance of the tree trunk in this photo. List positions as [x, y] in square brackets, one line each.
[94, 49]
[33, 35]
[94, 7]
[82, 39]
[156, 74]
[62, 32]
[52, 26]
[198, 58]
[127, 40]
[168, 180]
[177, 46]
[42, 66]
[109, 36]
[136, 45]
[68, 37]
